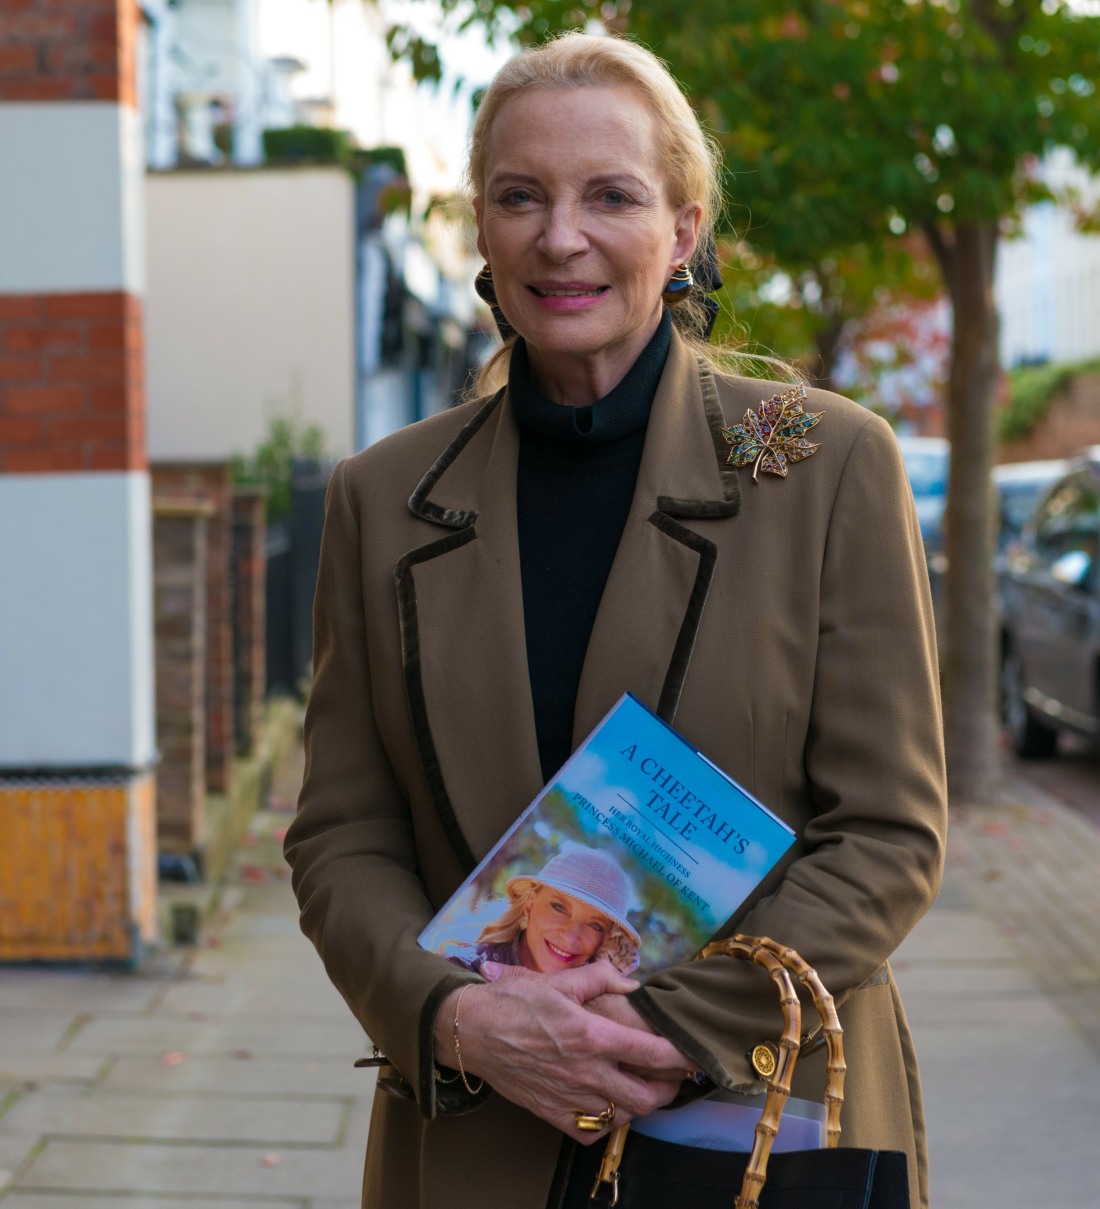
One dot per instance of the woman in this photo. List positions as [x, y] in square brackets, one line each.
[573, 912]
[494, 577]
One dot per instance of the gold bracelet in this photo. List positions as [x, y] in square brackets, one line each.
[458, 1052]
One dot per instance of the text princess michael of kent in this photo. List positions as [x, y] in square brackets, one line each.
[680, 809]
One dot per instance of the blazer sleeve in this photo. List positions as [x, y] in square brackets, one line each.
[872, 854]
[351, 844]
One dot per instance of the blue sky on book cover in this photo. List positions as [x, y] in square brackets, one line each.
[692, 842]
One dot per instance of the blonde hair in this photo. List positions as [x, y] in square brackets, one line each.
[691, 158]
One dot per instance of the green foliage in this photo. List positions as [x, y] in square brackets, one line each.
[271, 465]
[393, 156]
[306, 145]
[1032, 390]
[844, 121]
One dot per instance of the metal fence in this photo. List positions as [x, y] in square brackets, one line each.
[293, 554]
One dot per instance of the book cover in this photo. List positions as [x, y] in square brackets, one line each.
[637, 851]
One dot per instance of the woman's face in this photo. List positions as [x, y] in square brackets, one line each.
[575, 221]
[562, 932]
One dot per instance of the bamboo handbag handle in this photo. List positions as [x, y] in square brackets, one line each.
[780, 963]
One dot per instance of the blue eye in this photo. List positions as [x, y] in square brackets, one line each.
[516, 197]
[614, 197]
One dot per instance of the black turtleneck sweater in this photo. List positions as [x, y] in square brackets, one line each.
[577, 470]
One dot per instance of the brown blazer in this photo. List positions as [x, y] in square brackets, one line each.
[784, 626]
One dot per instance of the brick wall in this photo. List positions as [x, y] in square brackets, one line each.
[210, 481]
[71, 383]
[68, 50]
[179, 578]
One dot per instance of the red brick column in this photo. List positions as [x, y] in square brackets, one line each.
[210, 481]
[68, 50]
[72, 393]
[77, 726]
[179, 573]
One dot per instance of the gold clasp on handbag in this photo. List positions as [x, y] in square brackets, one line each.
[609, 1166]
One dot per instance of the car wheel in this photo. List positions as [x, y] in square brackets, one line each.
[1031, 739]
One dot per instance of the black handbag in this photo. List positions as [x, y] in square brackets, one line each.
[639, 1172]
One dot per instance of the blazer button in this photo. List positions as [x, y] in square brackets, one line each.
[764, 1059]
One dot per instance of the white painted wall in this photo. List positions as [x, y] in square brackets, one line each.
[1048, 280]
[70, 202]
[76, 621]
[249, 308]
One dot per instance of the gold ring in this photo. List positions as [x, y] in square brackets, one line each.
[594, 1122]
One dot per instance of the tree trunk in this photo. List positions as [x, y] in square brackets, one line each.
[827, 341]
[970, 643]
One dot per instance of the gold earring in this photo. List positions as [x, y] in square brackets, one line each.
[523, 924]
[483, 285]
[679, 285]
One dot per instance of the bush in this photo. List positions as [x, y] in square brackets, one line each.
[1032, 389]
[307, 145]
[272, 464]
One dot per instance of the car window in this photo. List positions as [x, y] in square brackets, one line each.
[1018, 501]
[927, 473]
[1069, 523]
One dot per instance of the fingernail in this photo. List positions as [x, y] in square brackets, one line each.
[489, 970]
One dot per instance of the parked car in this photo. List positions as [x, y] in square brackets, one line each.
[927, 460]
[1050, 615]
[1020, 487]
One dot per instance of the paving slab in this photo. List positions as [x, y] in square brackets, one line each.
[121, 1169]
[304, 1038]
[79, 1200]
[46, 1031]
[254, 1076]
[18, 1070]
[172, 1117]
[38, 990]
[14, 1153]
[1011, 1088]
[244, 979]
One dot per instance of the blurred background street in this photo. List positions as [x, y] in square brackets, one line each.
[234, 249]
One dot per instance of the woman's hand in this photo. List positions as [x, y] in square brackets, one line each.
[532, 1038]
[617, 1007]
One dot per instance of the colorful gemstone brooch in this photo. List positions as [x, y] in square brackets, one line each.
[769, 439]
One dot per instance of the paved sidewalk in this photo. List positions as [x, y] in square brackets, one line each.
[1001, 982]
[222, 1077]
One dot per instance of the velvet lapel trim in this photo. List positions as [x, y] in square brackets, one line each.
[462, 638]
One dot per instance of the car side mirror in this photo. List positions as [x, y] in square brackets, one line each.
[1073, 568]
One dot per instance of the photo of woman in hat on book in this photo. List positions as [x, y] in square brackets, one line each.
[574, 911]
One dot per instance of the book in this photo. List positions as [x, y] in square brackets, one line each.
[637, 852]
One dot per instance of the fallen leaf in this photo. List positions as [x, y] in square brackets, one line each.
[269, 1160]
[240, 1053]
[173, 1058]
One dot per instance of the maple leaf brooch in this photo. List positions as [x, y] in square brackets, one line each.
[776, 435]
